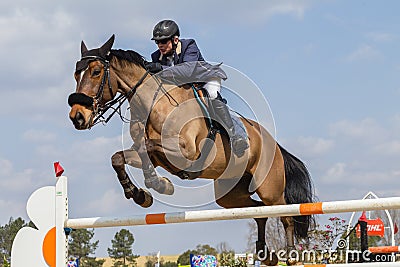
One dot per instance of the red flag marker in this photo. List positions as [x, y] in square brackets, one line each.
[58, 169]
[363, 217]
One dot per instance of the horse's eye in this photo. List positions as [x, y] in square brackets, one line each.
[96, 73]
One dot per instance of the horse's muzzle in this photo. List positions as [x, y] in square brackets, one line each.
[81, 117]
[81, 110]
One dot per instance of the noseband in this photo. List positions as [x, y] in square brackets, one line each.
[95, 103]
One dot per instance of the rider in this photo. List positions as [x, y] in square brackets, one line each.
[172, 51]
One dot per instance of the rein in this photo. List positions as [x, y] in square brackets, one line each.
[98, 110]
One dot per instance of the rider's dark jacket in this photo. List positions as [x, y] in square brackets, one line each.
[186, 65]
[186, 51]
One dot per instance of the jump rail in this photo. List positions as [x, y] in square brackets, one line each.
[237, 213]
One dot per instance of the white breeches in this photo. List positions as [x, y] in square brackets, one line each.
[213, 87]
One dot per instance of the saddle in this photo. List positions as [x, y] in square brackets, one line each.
[214, 127]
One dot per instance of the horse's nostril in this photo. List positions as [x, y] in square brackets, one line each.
[78, 120]
[78, 116]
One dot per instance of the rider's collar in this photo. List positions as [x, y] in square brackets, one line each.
[178, 49]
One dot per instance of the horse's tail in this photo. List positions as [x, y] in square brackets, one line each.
[299, 189]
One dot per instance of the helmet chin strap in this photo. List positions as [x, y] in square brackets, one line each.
[174, 46]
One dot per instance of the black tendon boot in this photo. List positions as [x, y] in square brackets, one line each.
[238, 143]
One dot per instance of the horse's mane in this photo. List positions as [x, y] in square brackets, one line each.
[129, 55]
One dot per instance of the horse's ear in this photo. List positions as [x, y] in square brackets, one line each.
[83, 48]
[106, 48]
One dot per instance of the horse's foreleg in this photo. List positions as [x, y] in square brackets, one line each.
[118, 160]
[160, 184]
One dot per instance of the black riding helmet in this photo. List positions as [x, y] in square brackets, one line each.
[165, 29]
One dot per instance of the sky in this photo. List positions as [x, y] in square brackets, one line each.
[329, 70]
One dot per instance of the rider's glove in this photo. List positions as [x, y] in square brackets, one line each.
[153, 67]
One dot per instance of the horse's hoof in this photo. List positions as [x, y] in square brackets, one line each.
[144, 198]
[148, 198]
[167, 187]
[291, 262]
[162, 185]
[272, 259]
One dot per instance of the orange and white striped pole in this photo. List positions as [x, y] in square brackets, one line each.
[237, 213]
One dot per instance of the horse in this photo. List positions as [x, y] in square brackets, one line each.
[168, 128]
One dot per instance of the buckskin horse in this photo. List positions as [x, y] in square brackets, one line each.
[106, 77]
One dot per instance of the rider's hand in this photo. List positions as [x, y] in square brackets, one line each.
[153, 67]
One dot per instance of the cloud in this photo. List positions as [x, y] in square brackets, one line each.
[5, 167]
[94, 150]
[390, 148]
[337, 170]
[364, 52]
[39, 136]
[381, 37]
[268, 9]
[17, 208]
[367, 129]
[12, 179]
[41, 42]
[349, 175]
[316, 145]
[105, 203]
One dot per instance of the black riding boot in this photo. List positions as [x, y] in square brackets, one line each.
[238, 143]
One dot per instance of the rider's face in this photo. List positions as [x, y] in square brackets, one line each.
[165, 46]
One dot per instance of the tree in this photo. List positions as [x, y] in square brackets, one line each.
[7, 235]
[121, 249]
[226, 255]
[5, 262]
[81, 247]
[184, 258]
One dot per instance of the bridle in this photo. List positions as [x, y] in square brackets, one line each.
[95, 103]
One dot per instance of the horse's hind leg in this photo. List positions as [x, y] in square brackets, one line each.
[288, 224]
[231, 195]
[119, 159]
[271, 189]
[261, 245]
